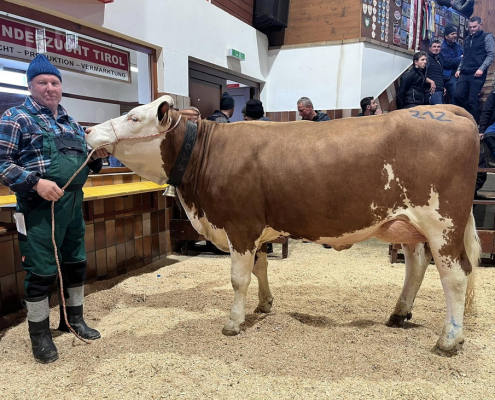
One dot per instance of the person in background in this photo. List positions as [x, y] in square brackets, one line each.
[450, 57]
[41, 148]
[465, 7]
[254, 111]
[191, 113]
[411, 90]
[479, 52]
[308, 113]
[226, 111]
[434, 75]
[369, 107]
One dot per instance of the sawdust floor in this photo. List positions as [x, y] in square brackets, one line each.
[325, 338]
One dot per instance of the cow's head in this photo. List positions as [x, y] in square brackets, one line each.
[143, 124]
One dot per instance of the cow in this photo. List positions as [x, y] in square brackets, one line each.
[403, 177]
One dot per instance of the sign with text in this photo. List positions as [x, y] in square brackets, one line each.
[18, 40]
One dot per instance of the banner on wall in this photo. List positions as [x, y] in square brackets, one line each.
[18, 40]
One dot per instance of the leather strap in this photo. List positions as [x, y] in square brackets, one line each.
[184, 156]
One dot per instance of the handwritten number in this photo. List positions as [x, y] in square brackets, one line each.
[440, 117]
[415, 114]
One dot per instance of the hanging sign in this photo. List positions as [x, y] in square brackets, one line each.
[22, 41]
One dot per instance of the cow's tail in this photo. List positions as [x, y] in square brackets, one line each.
[473, 251]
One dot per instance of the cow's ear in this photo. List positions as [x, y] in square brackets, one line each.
[162, 113]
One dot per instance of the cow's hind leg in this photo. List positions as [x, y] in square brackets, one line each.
[241, 268]
[260, 271]
[454, 282]
[417, 258]
[457, 273]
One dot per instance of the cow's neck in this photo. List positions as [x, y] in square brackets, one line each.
[170, 150]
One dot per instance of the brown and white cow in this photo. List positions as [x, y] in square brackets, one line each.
[405, 177]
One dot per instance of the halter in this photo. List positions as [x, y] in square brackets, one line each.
[117, 139]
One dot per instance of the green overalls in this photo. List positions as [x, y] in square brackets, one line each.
[66, 155]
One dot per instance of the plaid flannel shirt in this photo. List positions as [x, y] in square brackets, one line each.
[21, 144]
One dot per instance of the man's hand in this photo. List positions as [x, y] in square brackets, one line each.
[478, 73]
[48, 190]
[378, 111]
[457, 73]
[433, 87]
[100, 153]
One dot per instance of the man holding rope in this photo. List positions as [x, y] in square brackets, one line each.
[41, 147]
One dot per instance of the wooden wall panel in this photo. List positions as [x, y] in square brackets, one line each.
[325, 20]
[242, 9]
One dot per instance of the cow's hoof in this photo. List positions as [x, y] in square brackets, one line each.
[264, 308]
[398, 321]
[230, 329]
[447, 350]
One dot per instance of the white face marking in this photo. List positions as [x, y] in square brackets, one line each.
[142, 153]
[390, 175]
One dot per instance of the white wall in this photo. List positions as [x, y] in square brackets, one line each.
[333, 76]
[381, 66]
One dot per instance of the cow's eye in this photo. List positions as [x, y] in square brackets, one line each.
[133, 118]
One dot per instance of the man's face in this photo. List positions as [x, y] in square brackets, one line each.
[421, 63]
[474, 27]
[305, 112]
[435, 48]
[373, 106]
[46, 90]
[451, 37]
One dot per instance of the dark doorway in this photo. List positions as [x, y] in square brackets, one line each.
[206, 86]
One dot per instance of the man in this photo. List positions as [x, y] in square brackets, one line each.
[41, 147]
[369, 107]
[450, 57]
[434, 74]
[479, 50]
[254, 111]
[465, 7]
[307, 112]
[226, 111]
[487, 136]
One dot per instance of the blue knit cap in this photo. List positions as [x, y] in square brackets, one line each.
[40, 66]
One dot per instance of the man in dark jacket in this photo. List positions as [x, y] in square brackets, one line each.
[308, 113]
[369, 107]
[479, 50]
[450, 57]
[227, 104]
[487, 132]
[411, 90]
[434, 75]
[254, 111]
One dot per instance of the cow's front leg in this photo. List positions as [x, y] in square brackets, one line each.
[242, 266]
[260, 271]
[417, 260]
